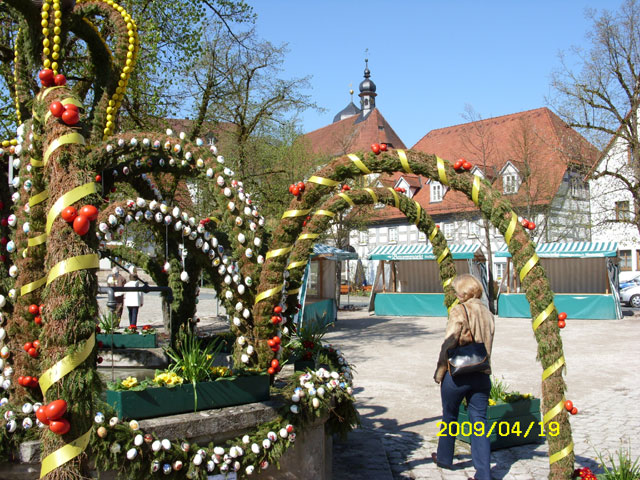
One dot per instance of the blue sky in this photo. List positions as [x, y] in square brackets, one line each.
[428, 58]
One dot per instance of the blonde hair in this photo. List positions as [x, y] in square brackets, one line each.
[467, 286]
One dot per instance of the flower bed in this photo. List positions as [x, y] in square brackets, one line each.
[127, 340]
[170, 400]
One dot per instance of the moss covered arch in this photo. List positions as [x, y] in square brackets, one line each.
[494, 207]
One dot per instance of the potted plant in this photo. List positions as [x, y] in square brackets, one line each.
[306, 342]
[190, 383]
[512, 419]
[131, 337]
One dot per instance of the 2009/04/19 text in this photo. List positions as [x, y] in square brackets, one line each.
[503, 429]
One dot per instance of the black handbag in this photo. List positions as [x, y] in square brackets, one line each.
[468, 358]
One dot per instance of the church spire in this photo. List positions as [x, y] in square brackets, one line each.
[367, 91]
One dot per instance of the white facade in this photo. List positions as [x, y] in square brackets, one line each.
[611, 201]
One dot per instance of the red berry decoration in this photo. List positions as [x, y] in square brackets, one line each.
[69, 214]
[21, 380]
[277, 309]
[81, 225]
[295, 190]
[271, 343]
[70, 117]
[568, 405]
[271, 370]
[375, 148]
[562, 316]
[531, 226]
[59, 427]
[458, 164]
[301, 186]
[27, 346]
[276, 319]
[38, 320]
[98, 178]
[60, 80]
[562, 324]
[383, 147]
[346, 188]
[275, 363]
[56, 109]
[34, 309]
[574, 411]
[466, 165]
[46, 77]
[36, 344]
[33, 353]
[524, 223]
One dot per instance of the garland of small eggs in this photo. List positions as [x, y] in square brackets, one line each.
[15, 75]
[46, 31]
[314, 392]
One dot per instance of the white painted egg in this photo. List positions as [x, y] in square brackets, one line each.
[156, 446]
[13, 271]
[27, 423]
[184, 276]
[242, 238]
[244, 358]
[141, 202]
[166, 444]
[27, 408]
[132, 453]
[164, 208]
[12, 220]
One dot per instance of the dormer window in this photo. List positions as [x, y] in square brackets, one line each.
[437, 191]
[510, 183]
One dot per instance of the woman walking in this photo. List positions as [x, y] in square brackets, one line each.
[133, 300]
[470, 321]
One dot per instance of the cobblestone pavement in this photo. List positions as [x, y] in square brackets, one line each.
[400, 406]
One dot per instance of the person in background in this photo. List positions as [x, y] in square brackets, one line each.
[469, 321]
[117, 280]
[133, 300]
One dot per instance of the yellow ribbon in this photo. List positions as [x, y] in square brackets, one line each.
[67, 199]
[433, 233]
[38, 198]
[418, 212]
[73, 264]
[550, 370]
[443, 255]
[453, 304]
[447, 282]
[278, 252]
[442, 174]
[396, 199]
[528, 266]
[46, 91]
[561, 454]
[71, 138]
[35, 241]
[294, 291]
[323, 181]
[66, 365]
[404, 161]
[542, 316]
[295, 213]
[553, 412]
[36, 163]
[308, 236]
[358, 163]
[30, 287]
[374, 197]
[347, 199]
[214, 219]
[325, 212]
[293, 265]
[476, 189]
[267, 293]
[64, 454]
[511, 228]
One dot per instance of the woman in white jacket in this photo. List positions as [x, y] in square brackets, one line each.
[133, 300]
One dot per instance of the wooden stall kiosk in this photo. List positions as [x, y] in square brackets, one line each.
[583, 276]
[407, 281]
[318, 291]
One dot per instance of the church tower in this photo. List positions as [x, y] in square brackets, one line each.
[367, 92]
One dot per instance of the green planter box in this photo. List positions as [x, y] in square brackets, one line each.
[162, 401]
[122, 340]
[510, 423]
[302, 365]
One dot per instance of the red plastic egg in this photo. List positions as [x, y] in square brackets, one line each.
[71, 106]
[81, 225]
[383, 147]
[562, 316]
[277, 309]
[69, 214]
[56, 109]
[375, 148]
[568, 405]
[60, 80]
[56, 409]
[34, 309]
[46, 77]
[70, 117]
[42, 415]
[89, 211]
[59, 427]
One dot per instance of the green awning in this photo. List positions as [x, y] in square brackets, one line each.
[570, 250]
[332, 253]
[420, 252]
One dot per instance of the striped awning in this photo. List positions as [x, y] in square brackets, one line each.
[419, 252]
[332, 253]
[570, 250]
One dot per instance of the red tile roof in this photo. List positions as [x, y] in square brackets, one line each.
[348, 135]
[536, 138]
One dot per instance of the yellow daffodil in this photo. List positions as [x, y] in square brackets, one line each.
[492, 401]
[129, 382]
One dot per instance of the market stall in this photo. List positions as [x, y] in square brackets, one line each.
[583, 276]
[407, 281]
[318, 291]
